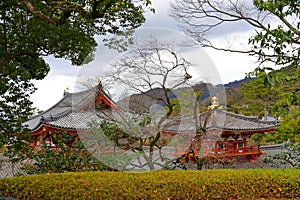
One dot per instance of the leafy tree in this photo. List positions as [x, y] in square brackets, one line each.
[276, 23]
[253, 96]
[186, 104]
[290, 157]
[289, 133]
[64, 153]
[289, 128]
[31, 30]
[256, 96]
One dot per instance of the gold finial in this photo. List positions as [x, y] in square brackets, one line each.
[97, 80]
[214, 103]
[66, 90]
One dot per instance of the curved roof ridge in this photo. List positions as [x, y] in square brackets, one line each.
[252, 119]
[89, 90]
[109, 98]
[82, 92]
[44, 120]
[67, 95]
[74, 120]
[248, 118]
[60, 115]
[57, 103]
[75, 94]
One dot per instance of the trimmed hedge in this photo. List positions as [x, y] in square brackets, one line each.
[207, 184]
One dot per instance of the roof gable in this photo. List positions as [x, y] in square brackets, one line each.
[85, 101]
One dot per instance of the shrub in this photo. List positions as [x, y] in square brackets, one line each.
[207, 184]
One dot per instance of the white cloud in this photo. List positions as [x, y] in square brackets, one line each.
[229, 66]
[50, 90]
[232, 66]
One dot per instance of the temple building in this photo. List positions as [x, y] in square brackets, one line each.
[72, 114]
[226, 134]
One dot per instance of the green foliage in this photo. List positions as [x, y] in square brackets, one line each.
[279, 44]
[278, 90]
[289, 157]
[111, 131]
[257, 138]
[110, 145]
[280, 93]
[289, 128]
[254, 96]
[59, 158]
[208, 184]
[186, 103]
[15, 107]
[31, 30]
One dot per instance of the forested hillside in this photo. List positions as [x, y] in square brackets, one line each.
[281, 100]
[252, 97]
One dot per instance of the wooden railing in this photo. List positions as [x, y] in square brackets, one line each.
[234, 152]
[222, 152]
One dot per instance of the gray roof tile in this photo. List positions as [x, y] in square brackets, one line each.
[219, 119]
[64, 110]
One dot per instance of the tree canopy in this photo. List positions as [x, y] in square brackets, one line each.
[31, 30]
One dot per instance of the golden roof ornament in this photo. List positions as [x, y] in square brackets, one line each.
[66, 90]
[97, 80]
[214, 103]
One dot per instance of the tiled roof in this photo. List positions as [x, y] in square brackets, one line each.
[65, 112]
[232, 121]
[68, 114]
[219, 119]
[74, 120]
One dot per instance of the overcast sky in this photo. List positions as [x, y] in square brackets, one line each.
[229, 66]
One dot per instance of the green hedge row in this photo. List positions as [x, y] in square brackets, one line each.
[207, 184]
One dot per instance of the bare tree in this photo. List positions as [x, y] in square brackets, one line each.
[154, 70]
[276, 24]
